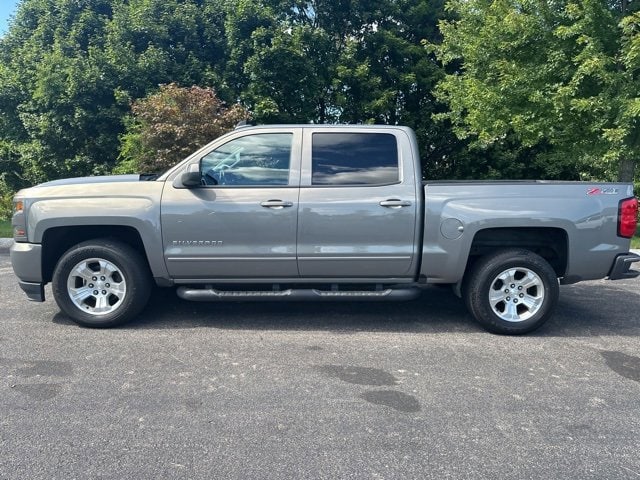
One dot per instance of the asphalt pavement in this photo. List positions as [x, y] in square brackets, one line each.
[5, 245]
[310, 390]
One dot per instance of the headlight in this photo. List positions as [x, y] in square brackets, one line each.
[19, 231]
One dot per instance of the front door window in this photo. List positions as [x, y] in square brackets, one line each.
[253, 160]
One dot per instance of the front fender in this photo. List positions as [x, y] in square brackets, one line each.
[64, 207]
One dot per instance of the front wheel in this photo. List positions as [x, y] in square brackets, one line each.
[511, 291]
[101, 283]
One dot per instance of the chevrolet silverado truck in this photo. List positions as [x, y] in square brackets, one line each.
[315, 213]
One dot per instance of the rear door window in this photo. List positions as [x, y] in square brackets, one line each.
[354, 159]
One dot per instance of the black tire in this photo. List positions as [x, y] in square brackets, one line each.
[528, 309]
[132, 276]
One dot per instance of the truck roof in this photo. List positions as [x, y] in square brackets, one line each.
[322, 126]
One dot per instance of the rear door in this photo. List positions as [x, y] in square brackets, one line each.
[358, 205]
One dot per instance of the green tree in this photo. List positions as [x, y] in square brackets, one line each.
[384, 77]
[344, 61]
[69, 70]
[559, 77]
[283, 57]
[153, 42]
[172, 123]
[52, 96]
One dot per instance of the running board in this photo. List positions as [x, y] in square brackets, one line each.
[312, 294]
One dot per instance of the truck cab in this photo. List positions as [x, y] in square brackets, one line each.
[289, 203]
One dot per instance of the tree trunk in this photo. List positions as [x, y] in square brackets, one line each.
[626, 170]
[322, 111]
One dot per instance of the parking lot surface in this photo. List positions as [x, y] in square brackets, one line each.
[311, 390]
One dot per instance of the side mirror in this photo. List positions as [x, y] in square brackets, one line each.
[191, 179]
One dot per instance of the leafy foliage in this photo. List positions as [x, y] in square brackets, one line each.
[6, 205]
[169, 125]
[70, 69]
[527, 88]
[345, 62]
[561, 74]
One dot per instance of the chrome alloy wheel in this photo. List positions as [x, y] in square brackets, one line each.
[516, 294]
[96, 286]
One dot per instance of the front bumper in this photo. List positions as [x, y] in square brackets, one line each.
[26, 260]
[622, 267]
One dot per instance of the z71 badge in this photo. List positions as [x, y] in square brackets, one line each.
[602, 191]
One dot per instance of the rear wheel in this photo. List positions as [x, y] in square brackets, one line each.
[511, 291]
[101, 283]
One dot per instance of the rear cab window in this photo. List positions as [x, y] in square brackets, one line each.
[351, 159]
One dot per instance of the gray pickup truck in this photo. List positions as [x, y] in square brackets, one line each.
[306, 212]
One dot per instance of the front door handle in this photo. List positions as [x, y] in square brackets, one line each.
[276, 204]
[395, 203]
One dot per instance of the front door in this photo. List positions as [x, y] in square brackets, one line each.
[242, 221]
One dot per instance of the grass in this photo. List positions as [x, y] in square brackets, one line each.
[5, 229]
[635, 241]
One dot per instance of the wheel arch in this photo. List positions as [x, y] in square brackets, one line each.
[57, 240]
[551, 243]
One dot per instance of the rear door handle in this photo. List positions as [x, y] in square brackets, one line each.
[395, 203]
[276, 204]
